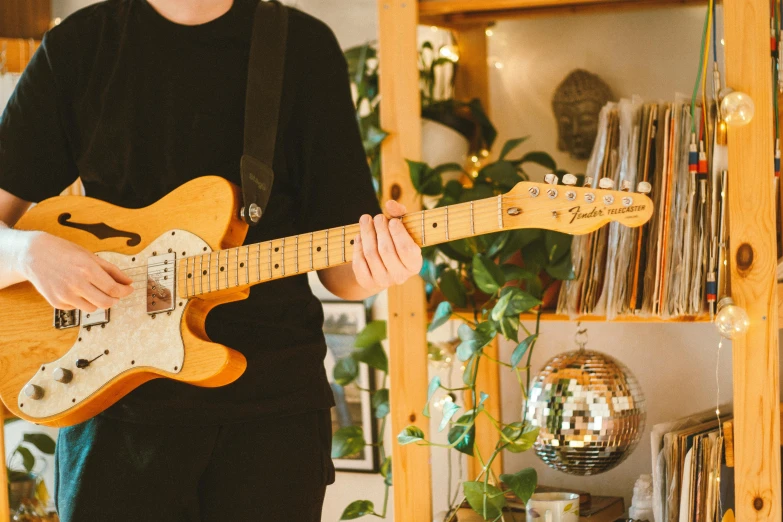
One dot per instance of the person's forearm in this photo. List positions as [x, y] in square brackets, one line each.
[13, 245]
[341, 281]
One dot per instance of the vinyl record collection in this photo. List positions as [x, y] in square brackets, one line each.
[673, 266]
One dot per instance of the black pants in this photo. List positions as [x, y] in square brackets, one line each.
[264, 470]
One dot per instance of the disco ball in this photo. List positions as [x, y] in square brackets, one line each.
[591, 412]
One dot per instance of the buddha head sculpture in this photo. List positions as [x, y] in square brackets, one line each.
[577, 102]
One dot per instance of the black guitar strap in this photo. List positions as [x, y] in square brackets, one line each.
[262, 106]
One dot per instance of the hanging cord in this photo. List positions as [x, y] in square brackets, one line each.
[701, 66]
[717, 414]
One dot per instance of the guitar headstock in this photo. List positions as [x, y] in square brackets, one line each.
[575, 210]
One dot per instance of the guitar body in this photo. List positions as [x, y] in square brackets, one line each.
[130, 346]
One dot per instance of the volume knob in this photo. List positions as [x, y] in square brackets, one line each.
[62, 375]
[34, 392]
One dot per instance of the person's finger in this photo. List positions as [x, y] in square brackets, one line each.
[395, 209]
[398, 273]
[114, 271]
[95, 296]
[104, 277]
[360, 269]
[370, 249]
[408, 251]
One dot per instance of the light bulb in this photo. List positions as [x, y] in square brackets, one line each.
[737, 109]
[489, 32]
[450, 52]
[731, 320]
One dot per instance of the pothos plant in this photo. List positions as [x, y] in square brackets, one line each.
[496, 277]
[485, 275]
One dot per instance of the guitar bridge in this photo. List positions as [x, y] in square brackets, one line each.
[66, 319]
[161, 277]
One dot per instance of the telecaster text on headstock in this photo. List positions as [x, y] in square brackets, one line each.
[576, 212]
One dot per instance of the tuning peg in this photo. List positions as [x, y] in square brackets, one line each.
[625, 186]
[606, 183]
[569, 179]
[551, 179]
[588, 181]
[643, 188]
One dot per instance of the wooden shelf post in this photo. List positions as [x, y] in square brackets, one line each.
[4, 507]
[400, 116]
[753, 262]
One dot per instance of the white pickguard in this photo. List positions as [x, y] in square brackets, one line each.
[133, 338]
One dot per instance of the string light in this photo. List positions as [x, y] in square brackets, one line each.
[737, 109]
[722, 41]
[434, 29]
[489, 32]
[484, 153]
[731, 320]
[450, 52]
[498, 64]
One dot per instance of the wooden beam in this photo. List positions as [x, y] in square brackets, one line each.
[16, 53]
[461, 12]
[25, 18]
[753, 261]
[4, 506]
[472, 79]
[401, 117]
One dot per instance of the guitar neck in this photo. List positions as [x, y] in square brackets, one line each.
[260, 262]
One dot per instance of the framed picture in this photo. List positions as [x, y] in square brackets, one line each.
[343, 320]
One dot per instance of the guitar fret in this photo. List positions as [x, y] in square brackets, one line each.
[270, 260]
[311, 250]
[327, 247]
[500, 211]
[217, 272]
[201, 273]
[237, 269]
[282, 258]
[227, 268]
[343, 244]
[209, 272]
[446, 216]
[185, 278]
[258, 260]
[471, 219]
[247, 265]
[296, 257]
[423, 238]
[194, 276]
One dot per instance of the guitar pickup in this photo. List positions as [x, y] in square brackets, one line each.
[99, 316]
[161, 278]
[66, 319]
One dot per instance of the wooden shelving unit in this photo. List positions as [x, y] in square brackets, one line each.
[752, 229]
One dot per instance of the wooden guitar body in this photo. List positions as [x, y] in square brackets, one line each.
[132, 346]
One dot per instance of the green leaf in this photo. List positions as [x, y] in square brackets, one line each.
[522, 483]
[345, 371]
[467, 375]
[516, 273]
[453, 189]
[487, 274]
[452, 288]
[563, 269]
[479, 191]
[519, 436]
[464, 425]
[449, 409]
[424, 179]
[372, 138]
[540, 158]
[521, 349]
[433, 387]
[509, 327]
[373, 333]
[358, 509]
[43, 442]
[380, 403]
[347, 441]
[442, 314]
[446, 167]
[499, 310]
[520, 302]
[501, 172]
[557, 245]
[488, 131]
[410, 434]
[28, 460]
[485, 499]
[374, 356]
[511, 145]
[386, 471]
[473, 340]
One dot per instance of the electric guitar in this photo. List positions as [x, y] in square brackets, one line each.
[185, 256]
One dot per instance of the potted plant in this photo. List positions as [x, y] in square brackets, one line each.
[24, 469]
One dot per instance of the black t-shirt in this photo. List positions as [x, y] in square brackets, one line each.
[136, 105]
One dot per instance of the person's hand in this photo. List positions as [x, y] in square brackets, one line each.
[385, 254]
[69, 276]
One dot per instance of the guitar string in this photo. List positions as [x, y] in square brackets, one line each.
[455, 217]
[254, 266]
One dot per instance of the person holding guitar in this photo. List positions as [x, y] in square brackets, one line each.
[136, 98]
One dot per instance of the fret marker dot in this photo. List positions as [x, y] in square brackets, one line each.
[241, 265]
[277, 249]
[222, 268]
[190, 275]
[352, 241]
[277, 266]
[204, 272]
[318, 249]
[434, 225]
